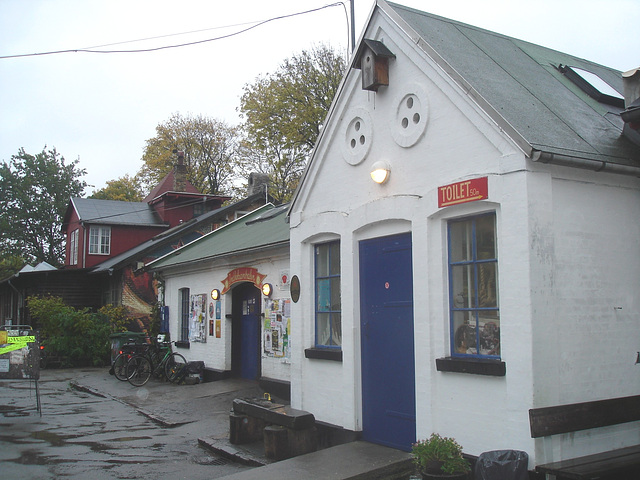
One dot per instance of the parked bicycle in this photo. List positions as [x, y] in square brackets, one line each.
[127, 351]
[157, 360]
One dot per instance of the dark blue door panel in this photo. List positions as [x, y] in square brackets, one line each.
[388, 369]
[246, 331]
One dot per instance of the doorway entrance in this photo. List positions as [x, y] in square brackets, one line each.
[386, 336]
[245, 331]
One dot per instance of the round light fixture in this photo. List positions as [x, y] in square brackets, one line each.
[215, 294]
[380, 172]
[267, 289]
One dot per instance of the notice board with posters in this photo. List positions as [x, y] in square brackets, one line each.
[277, 328]
[198, 318]
[20, 355]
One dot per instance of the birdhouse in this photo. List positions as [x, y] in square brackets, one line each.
[373, 59]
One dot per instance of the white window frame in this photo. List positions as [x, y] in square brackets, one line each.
[99, 240]
[73, 247]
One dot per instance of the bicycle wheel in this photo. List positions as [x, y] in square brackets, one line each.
[120, 366]
[138, 370]
[173, 366]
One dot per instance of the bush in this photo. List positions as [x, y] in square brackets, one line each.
[439, 454]
[78, 336]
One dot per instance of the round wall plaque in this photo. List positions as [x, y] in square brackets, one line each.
[294, 288]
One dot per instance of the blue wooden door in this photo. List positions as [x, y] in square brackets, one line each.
[246, 331]
[386, 333]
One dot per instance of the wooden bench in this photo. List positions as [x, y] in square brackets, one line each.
[285, 431]
[584, 416]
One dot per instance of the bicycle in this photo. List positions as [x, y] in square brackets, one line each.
[127, 351]
[140, 367]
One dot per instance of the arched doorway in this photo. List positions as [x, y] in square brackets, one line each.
[245, 331]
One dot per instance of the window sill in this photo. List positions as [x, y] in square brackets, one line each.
[324, 354]
[475, 366]
[182, 344]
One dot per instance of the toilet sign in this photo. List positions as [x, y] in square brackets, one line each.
[463, 192]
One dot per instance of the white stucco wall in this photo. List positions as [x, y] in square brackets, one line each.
[204, 277]
[567, 248]
[457, 144]
[586, 306]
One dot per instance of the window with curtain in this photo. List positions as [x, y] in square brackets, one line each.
[100, 240]
[327, 295]
[473, 287]
[73, 247]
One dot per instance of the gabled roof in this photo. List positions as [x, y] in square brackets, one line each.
[41, 267]
[518, 84]
[167, 185]
[114, 212]
[263, 228]
[167, 237]
[521, 87]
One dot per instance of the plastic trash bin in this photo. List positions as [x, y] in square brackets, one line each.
[502, 465]
[119, 339]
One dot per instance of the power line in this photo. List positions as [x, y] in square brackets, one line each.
[166, 47]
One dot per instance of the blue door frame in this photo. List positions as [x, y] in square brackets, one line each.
[245, 336]
[386, 335]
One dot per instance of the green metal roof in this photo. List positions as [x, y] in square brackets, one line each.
[264, 227]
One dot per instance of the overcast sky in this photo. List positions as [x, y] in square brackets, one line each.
[100, 108]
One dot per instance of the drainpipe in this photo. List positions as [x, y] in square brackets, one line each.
[585, 163]
[84, 245]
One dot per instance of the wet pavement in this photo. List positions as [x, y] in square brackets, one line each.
[93, 426]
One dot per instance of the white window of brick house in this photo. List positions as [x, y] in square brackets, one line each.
[100, 240]
[73, 247]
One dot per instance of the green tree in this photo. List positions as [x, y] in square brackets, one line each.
[10, 264]
[34, 194]
[283, 114]
[210, 151]
[124, 189]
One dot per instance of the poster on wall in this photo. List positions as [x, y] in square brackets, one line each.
[276, 328]
[198, 317]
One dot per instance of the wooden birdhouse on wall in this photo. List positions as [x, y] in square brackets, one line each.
[373, 59]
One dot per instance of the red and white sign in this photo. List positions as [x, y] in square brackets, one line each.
[244, 274]
[463, 192]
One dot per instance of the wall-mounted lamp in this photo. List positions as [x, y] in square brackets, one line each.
[380, 172]
[215, 294]
[267, 289]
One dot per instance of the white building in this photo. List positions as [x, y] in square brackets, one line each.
[218, 313]
[496, 270]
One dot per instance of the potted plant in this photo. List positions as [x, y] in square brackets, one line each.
[440, 458]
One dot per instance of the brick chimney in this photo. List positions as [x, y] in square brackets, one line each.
[180, 174]
[258, 183]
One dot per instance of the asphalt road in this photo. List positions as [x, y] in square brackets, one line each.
[81, 435]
